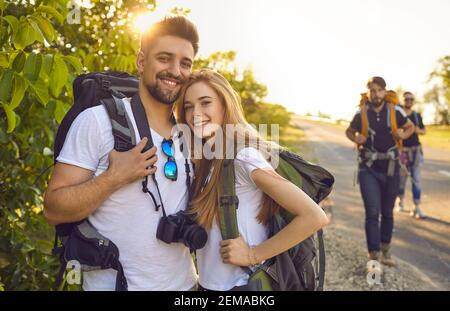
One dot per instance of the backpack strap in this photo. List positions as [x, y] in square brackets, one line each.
[392, 123]
[363, 113]
[416, 118]
[228, 205]
[364, 121]
[321, 260]
[122, 128]
[228, 202]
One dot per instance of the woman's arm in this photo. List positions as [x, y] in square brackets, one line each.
[309, 218]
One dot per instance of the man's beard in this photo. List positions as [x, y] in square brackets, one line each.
[164, 96]
[377, 103]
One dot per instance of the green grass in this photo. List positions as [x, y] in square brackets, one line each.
[437, 136]
[293, 137]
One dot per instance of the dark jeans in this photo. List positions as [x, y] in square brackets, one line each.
[379, 192]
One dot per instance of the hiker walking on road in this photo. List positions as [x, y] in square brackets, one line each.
[378, 129]
[412, 158]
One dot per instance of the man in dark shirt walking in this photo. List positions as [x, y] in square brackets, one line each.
[412, 158]
[376, 129]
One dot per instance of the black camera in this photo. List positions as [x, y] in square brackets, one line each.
[180, 227]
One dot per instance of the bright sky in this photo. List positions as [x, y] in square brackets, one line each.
[317, 55]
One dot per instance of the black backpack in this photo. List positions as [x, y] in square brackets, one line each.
[80, 241]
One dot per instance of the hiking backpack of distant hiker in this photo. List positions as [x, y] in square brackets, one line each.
[301, 268]
[370, 155]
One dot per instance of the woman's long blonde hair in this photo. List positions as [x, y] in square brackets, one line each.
[204, 203]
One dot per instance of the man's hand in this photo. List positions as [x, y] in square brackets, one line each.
[355, 136]
[127, 167]
[399, 134]
[360, 139]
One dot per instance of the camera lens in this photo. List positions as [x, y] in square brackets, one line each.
[195, 237]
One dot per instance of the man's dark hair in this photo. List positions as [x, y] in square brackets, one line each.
[177, 26]
[408, 93]
[378, 81]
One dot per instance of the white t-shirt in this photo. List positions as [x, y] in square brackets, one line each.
[128, 216]
[213, 273]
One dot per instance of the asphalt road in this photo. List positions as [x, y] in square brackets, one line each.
[424, 244]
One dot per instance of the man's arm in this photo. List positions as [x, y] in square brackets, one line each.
[405, 131]
[420, 128]
[74, 193]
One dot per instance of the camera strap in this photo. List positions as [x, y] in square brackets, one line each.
[144, 131]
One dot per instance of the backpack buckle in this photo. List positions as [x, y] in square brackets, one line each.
[106, 84]
[229, 200]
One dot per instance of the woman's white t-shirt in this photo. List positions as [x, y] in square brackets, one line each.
[213, 273]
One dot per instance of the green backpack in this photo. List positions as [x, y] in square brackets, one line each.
[303, 266]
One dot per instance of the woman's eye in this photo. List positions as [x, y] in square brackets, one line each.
[206, 103]
[186, 107]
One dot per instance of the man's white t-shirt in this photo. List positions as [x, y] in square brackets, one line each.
[213, 273]
[128, 216]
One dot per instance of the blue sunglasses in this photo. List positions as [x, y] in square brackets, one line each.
[170, 168]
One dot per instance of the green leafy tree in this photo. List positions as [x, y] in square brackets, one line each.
[41, 51]
[252, 92]
[439, 94]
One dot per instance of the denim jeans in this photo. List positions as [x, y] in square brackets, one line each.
[414, 171]
[379, 192]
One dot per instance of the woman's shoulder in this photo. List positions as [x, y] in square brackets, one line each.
[249, 154]
[250, 158]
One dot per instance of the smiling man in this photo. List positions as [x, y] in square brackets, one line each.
[92, 180]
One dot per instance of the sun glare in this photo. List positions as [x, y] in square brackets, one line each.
[143, 21]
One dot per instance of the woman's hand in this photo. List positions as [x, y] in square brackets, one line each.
[237, 252]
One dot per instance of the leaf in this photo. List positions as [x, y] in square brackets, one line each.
[10, 117]
[61, 110]
[19, 61]
[58, 75]
[51, 11]
[40, 90]
[5, 85]
[13, 23]
[20, 87]
[4, 62]
[46, 28]
[74, 62]
[33, 66]
[26, 36]
[47, 64]
[39, 36]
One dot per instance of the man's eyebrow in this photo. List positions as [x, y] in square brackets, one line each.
[164, 54]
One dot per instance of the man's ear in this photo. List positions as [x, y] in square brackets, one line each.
[140, 62]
